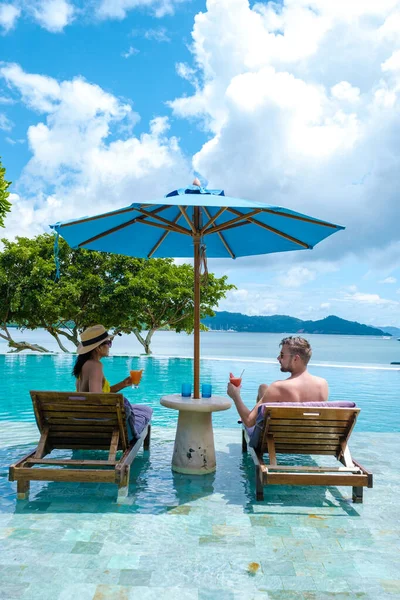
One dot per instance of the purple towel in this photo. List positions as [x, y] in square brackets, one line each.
[137, 417]
[254, 432]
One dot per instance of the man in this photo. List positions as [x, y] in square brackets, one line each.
[299, 387]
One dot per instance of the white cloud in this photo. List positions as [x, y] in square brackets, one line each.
[250, 302]
[9, 14]
[389, 280]
[75, 169]
[345, 91]
[14, 142]
[5, 123]
[296, 277]
[158, 35]
[186, 72]
[52, 15]
[38, 91]
[392, 63]
[296, 103]
[130, 52]
[5, 100]
[118, 9]
[311, 304]
[361, 298]
[391, 26]
[55, 15]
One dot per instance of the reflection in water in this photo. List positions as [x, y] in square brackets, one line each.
[192, 487]
[199, 500]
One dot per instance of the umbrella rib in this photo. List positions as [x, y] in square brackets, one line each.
[289, 216]
[168, 228]
[221, 237]
[140, 220]
[162, 238]
[110, 231]
[212, 219]
[188, 221]
[110, 214]
[286, 236]
[228, 224]
[176, 228]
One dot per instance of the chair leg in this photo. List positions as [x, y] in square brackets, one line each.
[23, 489]
[146, 442]
[357, 495]
[259, 485]
[123, 487]
[244, 443]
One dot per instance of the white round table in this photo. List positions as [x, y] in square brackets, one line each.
[194, 451]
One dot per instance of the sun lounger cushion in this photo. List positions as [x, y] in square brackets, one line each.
[141, 417]
[254, 432]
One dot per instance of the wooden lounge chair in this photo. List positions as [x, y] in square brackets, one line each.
[311, 428]
[85, 421]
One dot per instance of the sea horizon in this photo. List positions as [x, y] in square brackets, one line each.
[256, 347]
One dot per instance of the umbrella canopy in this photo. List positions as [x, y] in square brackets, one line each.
[189, 222]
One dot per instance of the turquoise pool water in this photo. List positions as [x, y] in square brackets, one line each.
[199, 538]
[374, 389]
[203, 538]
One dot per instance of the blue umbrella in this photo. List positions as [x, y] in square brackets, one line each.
[188, 222]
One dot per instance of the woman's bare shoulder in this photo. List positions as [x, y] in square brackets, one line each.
[92, 366]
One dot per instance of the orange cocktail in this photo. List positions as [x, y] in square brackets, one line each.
[136, 376]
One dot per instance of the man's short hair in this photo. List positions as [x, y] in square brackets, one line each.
[298, 345]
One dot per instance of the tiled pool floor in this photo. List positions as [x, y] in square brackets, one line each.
[202, 538]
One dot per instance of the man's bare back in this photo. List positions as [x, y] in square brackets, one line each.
[301, 386]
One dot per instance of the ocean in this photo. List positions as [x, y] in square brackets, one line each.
[339, 350]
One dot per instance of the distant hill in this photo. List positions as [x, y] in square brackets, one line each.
[285, 324]
[395, 331]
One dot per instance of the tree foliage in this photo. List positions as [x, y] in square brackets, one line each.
[5, 205]
[125, 294]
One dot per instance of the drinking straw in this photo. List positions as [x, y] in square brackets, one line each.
[242, 373]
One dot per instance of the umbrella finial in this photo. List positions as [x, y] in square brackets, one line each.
[196, 182]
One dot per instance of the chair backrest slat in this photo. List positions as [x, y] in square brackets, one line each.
[303, 430]
[80, 419]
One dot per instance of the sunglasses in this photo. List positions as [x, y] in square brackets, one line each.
[106, 343]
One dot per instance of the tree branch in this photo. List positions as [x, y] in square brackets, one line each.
[54, 334]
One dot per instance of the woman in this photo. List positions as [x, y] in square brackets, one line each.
[88, 371]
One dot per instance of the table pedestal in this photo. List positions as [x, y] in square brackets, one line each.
[194, 452]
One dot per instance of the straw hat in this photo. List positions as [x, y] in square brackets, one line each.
[93, 337]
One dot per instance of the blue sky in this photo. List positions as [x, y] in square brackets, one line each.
[294, 104]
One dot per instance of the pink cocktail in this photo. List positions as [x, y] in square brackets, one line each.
[236, 381]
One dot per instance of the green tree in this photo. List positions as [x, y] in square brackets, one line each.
[5, 205]
[160, 294]
[124, 294]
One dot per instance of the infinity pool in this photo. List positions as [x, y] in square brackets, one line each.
[199, 537]
[374, 389]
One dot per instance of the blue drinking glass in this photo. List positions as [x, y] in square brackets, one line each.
[206, 390]
[186, 390]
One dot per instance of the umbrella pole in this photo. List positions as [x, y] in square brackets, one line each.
[196, 353]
